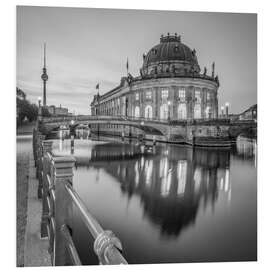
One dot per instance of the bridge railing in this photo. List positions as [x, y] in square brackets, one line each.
[58, 196]
[142, 120]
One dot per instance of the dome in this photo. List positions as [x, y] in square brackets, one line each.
[170, 55]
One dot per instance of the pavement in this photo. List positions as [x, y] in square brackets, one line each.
[35, 249]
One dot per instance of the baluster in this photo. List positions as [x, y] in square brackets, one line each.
[39, 165]
[47, 148]
[63, 172]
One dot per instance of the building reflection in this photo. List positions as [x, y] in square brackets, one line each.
[246, 148]
[172, 184]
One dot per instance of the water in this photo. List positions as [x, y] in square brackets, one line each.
[168, 203]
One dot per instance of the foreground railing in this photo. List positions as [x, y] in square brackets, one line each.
[55, 176]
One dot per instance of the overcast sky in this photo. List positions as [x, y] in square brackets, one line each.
[90, 46]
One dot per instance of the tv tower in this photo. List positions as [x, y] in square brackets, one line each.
[44, 77]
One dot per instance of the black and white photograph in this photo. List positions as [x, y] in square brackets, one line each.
[136, 136]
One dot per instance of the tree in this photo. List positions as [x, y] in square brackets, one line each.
[26, 110]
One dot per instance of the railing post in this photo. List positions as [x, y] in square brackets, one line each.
[47, 148]
[34, 141]
[63, 172]
[39, 164]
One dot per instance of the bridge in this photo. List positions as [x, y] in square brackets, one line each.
[211, 132]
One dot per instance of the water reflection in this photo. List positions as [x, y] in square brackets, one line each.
[171, 183]
[171, 199]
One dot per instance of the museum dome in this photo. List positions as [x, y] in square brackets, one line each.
[170, 55]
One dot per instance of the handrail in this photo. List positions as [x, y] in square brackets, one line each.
[55, 175]
[172, 121]
[90, 221]
[106, 245]
[71, 247]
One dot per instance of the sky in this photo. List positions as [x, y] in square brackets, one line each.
[88, 46]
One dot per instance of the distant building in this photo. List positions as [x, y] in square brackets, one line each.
[58, 111]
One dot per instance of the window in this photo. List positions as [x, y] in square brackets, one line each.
[137, 97]
[176, 49]
[208, 96]
[182, 111]
[137, 111]
[164, 94]
[207, 112]
[198, 96]
[164, 111]
[148, 111]
[148, 95]
[182, 94]
[197, 111]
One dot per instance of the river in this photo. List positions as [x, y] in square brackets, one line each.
[168, 203]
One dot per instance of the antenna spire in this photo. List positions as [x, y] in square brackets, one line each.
[44, 54]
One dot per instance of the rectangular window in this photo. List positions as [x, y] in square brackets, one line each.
[164, 94]
[198, 96]
[148, 95]
[182, 94]
[137, 96]
[208, 96]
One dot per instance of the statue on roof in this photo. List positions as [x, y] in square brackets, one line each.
[204, 71]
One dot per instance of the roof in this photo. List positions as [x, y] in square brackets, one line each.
[170, 48]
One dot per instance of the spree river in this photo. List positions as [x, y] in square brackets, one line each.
[167, 203]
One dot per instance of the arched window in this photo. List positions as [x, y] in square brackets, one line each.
[148, 112]
[164, 111]
[182, 111]
[137, 111]
[197, 111]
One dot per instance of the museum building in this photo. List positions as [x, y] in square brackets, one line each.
[171, 86]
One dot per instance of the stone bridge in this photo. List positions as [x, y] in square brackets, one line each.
[149, 126]
[171, 130]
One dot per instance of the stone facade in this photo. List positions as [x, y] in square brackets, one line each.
[171, 86]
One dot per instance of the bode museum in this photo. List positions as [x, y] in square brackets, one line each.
[171, 86]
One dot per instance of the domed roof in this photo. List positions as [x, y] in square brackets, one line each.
[170, 48]
[170, 56]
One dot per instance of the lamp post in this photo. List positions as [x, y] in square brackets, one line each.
[39, 102]
[222, 111]
[39, 108]
[71, 137]
[227, 109]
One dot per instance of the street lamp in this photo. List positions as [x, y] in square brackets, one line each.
[227, 109]
[222, 111]
[39, 108]
[39, 102]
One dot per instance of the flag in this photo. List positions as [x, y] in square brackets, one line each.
[127, 64]
[97, 86]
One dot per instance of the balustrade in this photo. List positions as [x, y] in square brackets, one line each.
[55, 176]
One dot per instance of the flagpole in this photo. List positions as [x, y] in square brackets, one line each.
[127, 66]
